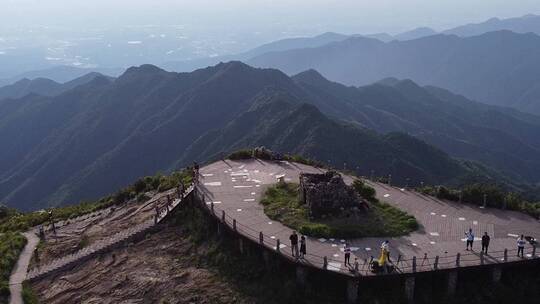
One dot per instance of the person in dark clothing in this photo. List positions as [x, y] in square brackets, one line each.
[347, 251]
[485, 242]
[302, 246]
[294, 244]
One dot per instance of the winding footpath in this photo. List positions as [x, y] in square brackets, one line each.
[19, 273]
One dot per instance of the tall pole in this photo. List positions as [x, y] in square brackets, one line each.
[485, 200]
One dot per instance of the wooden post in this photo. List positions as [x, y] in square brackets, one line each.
[223, 216]
[414, 264]
[277, 245]
[234, 224]
[436, 264]
[458, 258]
[534, 252]
[261, 238]
[325, 263]
[505, 259]
[212, 206]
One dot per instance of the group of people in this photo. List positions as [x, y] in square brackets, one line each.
[521, 242]
[298, 254]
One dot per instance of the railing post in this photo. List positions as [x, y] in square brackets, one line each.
[458, 257]
[436, 264]
[212, 206]
[534, 252]
[325, 263]
[481, 258]
[261, 238]
[414, 264]
[277, 245]
[505, 259]
[223, 216]
[398, 259]
[234, 224]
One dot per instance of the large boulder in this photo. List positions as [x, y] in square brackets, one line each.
[327, 194]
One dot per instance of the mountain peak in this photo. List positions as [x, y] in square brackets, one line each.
[145, 68]
[310, 76]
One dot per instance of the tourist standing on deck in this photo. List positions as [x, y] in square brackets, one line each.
[347, 251]
[521, 245]
[470, 238]
[485, 242]
[302, 246]
[294, 244]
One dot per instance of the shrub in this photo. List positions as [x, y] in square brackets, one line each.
[316, 230]
[241, 154]
[364, 190]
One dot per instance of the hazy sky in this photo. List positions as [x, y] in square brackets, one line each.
[349, 16]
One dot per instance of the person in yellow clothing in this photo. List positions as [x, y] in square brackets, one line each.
[385, 256]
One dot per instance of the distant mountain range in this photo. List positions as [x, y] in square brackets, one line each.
[106, 133]
[525, 24]
[43, 86]
[61, 74]
[500, 68]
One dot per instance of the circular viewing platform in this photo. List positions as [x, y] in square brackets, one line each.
[232, 190]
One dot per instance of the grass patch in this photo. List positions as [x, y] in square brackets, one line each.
[281, 204]
[28, 294]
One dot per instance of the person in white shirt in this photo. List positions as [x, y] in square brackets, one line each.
[470, 239]
[521, 245]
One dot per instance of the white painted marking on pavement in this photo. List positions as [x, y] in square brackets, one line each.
[242, 186]
[213, 184]
[249, 200]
